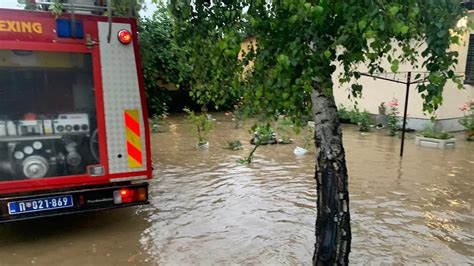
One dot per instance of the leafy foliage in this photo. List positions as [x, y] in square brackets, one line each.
[284, 122]
[307, 137]
[127, 8]
[240, 112]
[201, 125]
[234, 145]
[159, 124]
[28, 5]
[429, 131]
[56, 8]
[249, 158]
[363, 120]
[121, 8]
[215, 41]
[344, 114]
[300, 43]
[354, 116]
[163, 61]
[262, 134]
[468, 120]
[283, 135]
[393, 122]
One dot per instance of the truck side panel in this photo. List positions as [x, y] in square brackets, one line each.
[125, 125]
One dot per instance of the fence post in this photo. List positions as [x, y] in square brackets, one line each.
[405, 113]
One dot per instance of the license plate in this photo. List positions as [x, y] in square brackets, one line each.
[41, 204]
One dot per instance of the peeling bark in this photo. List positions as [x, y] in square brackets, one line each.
[333, 231]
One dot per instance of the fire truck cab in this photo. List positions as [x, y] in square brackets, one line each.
[74, 133]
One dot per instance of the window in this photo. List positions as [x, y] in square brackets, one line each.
[468, 4]
[469, 75]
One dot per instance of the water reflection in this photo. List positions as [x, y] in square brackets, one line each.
[96, 238]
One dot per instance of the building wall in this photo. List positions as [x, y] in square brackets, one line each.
[377, 91]
[249, 42]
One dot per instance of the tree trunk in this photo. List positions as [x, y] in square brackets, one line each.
[333, 231]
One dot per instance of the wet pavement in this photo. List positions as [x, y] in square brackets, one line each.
[208, 209]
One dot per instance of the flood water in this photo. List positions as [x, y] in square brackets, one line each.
[208, 209]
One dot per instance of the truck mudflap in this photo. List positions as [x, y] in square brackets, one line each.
[47, 203]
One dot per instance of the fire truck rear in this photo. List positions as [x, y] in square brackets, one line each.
[74, 131]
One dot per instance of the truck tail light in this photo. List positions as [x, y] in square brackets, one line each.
[124, 36]
[128, 195]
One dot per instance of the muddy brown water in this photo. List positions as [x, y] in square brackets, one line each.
[207, 209]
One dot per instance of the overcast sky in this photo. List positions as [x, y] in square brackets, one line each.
[150, 8]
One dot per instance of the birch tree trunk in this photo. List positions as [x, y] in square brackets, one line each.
[333, 231]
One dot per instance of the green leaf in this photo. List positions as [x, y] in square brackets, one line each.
[293, 19]
[470, 24]
[283, 60]
[455, 39]
[356, 90]
[393, 10]
[362, 24]
[316, 11]
[369, 34]
[395, 65]
[400, 28]
[371, 56]
[259, 92]
[327, 54]
[414, 12]
[404, 29]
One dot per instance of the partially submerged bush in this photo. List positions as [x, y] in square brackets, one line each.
[263, 134]
[283, 135]
[285, 122]
[354, 116]
[234, 145]
[429, 131]
[344, 114]
[363, 119]
[468, 120]
[201, 126]
[393, 122]
[159, 124]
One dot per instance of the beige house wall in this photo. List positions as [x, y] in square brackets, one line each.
[249, 42]
[377, 91]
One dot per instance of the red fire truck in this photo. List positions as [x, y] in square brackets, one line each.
[74, 133]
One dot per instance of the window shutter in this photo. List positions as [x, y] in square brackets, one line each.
[469, 75]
